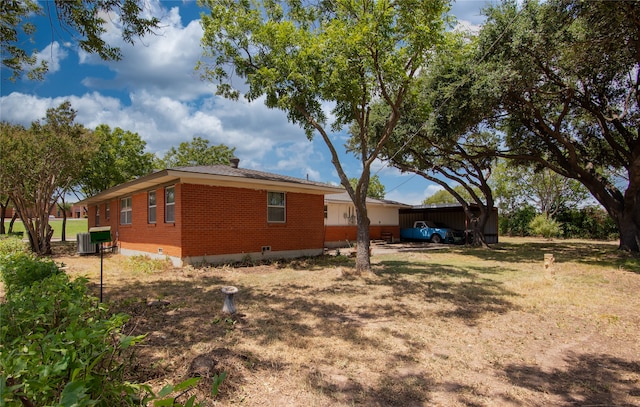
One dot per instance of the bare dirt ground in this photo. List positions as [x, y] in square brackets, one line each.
[452, 326]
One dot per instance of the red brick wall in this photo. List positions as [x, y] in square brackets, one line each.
[140, 234]
[224, 220]
[217, 220]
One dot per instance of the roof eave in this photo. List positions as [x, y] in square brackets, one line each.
[176, 176]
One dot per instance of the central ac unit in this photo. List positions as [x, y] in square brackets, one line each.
[84, 244]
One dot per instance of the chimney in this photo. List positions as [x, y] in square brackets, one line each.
[234, 162]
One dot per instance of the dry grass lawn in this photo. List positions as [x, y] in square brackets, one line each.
[432, 326]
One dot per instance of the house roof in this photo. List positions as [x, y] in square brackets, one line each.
[218, 175]
[345, 198]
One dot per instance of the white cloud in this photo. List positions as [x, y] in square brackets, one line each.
[162, 63]
[253, 129]
[52, 54]
[297, 158]
[466, 27]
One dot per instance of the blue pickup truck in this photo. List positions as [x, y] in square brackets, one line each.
[429, 231]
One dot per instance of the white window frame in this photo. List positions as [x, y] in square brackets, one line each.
[126, 211]
[276, 208]
[97, 215]
[170, 205]
[151, 207]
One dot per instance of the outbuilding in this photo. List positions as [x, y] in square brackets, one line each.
[450, 215]
[340, 220]
[213, 214]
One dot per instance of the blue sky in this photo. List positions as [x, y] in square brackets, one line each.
[154, 91]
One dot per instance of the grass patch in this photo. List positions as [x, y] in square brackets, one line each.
[454, 326]
[73, 227]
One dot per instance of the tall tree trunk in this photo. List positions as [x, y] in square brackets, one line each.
[13, 220]
[629, 220]
[63, 235]
[63, 207]
[3, 215]
[363, 259]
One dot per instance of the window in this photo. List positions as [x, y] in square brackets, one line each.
[276, 207]
[326, 211]
[97, 216]
[125, 211]
[107, 211]
[152, 206]
[169, 204]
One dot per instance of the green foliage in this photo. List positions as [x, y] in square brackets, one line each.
[444, 196]
[590, 222]
[516, 223]
[11, 245]
[20, 269]
[299, 56]
[84, 21]
[120, 157]
[517, 184]
[57, 348]
[561, 80]
[376, 188]
[196, 152]
[541, 225]
[39, 162]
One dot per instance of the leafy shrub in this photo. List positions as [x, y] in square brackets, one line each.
[59, 347]
[545, 227]
[20, 269]
[10, 245]
[589, 222]
[517, 222]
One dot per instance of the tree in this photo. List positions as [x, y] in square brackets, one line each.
[549, 192]
[376, 188]
[304, 56]
[120, 157]
[40, 161]
[436, 137]
[196, 152]
[86, 21]
[443, 196]
[458, 161]
[563, 80]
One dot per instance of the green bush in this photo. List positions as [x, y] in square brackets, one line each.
[59, 347]
[10, 245]
[545, 227]
[517, 222]
[590, 222]
[20, 269]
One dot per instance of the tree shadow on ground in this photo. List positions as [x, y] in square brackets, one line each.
[267, 316]
[588, 380]
[592, 253]
[471, 294]
[406, 390]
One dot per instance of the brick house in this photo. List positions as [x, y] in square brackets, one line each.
[213, 214]
[340, 220]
